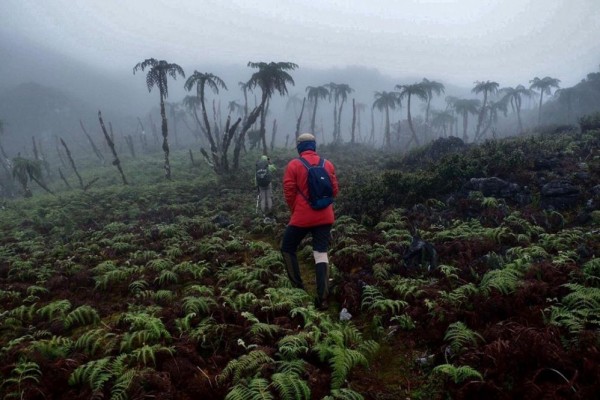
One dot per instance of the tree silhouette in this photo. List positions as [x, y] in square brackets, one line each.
[465, 107]
[514, 97]
[271, 77]
[544, 85]
[383, 102]
[200, 81]
[487, 87]
[416, 89]
[431, 87]
[342, 91]
[158, 71]
[314, 93]
[25, 170]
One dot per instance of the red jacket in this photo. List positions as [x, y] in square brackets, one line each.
[295, 179]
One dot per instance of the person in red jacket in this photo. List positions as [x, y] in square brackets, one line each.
[305, 219]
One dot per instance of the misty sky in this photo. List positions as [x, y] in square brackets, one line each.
[458, 42]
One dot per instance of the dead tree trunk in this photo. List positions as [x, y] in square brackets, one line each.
[91, 142]
[353, 121]
[116, 162]
[72, 162]
[299, 121]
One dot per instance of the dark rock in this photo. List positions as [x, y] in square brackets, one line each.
[222, 221]
[545, 163]
[499, 188]
[560, 195]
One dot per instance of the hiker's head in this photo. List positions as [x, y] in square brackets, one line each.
[264, 158]
[306, 141]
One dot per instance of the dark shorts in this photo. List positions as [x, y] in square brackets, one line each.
[294, 234]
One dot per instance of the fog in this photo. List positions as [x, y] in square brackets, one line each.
[87, 49]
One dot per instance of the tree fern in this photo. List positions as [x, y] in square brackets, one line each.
[458, 374]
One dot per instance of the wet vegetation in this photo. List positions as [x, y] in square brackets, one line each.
[458, 270]
[176, 289]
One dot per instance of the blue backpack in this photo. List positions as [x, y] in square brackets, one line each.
[320, 189]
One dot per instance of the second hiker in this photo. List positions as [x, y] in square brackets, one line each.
[263, 178]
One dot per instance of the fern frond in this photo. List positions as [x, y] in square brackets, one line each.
[504, 280]
[197, 305]
[56, 309]
[82, 315]
[292, 346]
[341, 362]
[94, 339]
[166, 276]
[290, 386]
[459, 336]
[246, 365]
[458, 374]
[95, 373]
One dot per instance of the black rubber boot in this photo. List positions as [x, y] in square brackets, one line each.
[322, 272]
[293, 269]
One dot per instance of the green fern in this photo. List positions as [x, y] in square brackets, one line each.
[504, 280]
[256, 389]
[407, 287]
[166, 277]
[289, 386]
[136, 287]
[145, 329]
[460, 336]
[196, 270]
[21, 377]
[95, 373]
[197, 305]
[373, 299]
[458, 374]
[341, 362]
[293, 346]
[159, 264]
[591, 271]
[244, 366]
[146, 354]
[83, 315]
[115, 277]
[94, 339]
[460, 295]
[56, 309]
[54, 348]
